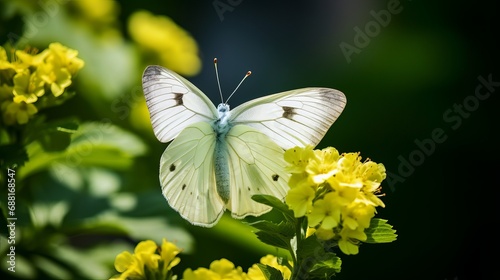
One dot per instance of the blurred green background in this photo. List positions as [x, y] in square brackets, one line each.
[407, 78]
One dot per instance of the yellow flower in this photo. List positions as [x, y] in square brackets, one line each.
[324, 234]
[343, 193]
[348, 163]
[62, 56]
[27, 87]
[219, 269]
[298, 158]
[348, 242]
[337, 193]
[199, 274]
[162, 37]
[254, 272]
[326, 212]
[168, 253]
[29, 76]
[373, 175]
[98, 11]
[310, 231]
[20, 113]
[300, 199]
[57, 77]
[323, 165]
[25, 60]
[357, 215]
[145, 263]
[132, 265]
[7, 69]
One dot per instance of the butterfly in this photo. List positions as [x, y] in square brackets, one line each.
[218, 158]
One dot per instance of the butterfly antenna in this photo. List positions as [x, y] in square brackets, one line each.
[247, 74]
[218, 82]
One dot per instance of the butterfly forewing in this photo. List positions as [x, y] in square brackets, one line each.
[173, 102]
[292, 118]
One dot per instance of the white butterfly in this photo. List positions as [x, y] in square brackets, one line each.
[219, 157]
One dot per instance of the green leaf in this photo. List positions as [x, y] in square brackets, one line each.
[315, 261]
[12, 155]
[270, 272]
[274, 239]
[53, 135]
[94, 144]
[88, 263]
[326, 267]
[276, 204]
[380, 232]
[309, 247]
[57, 136]
[284, 228]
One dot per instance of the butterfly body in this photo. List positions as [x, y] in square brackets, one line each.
[221, 127]
[218, 158]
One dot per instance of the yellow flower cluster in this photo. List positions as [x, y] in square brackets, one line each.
[100, 17]
[224, 269]
[336, 192]
[171, 45]
[98, 12]
[154, 263]
[148, 261]
[30, 77]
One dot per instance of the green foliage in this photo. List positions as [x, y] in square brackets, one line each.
[380, 232]
[270, 272]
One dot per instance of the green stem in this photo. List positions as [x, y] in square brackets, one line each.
[299, 236]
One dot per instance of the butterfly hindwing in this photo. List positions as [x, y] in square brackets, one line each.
[173, 102]
[256, 167]
[292, 118]
[187, 175]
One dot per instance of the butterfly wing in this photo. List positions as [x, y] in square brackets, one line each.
[173, 102]
[292, 118]
[256, 166]
[187, 175]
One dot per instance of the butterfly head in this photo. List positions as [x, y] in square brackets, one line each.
[223, 108]
[221, 124]
[223, 111]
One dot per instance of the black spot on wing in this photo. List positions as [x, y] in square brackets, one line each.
[178, 99]
[288, 112]
[172, 167]
[275, 177]
[183, 186]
